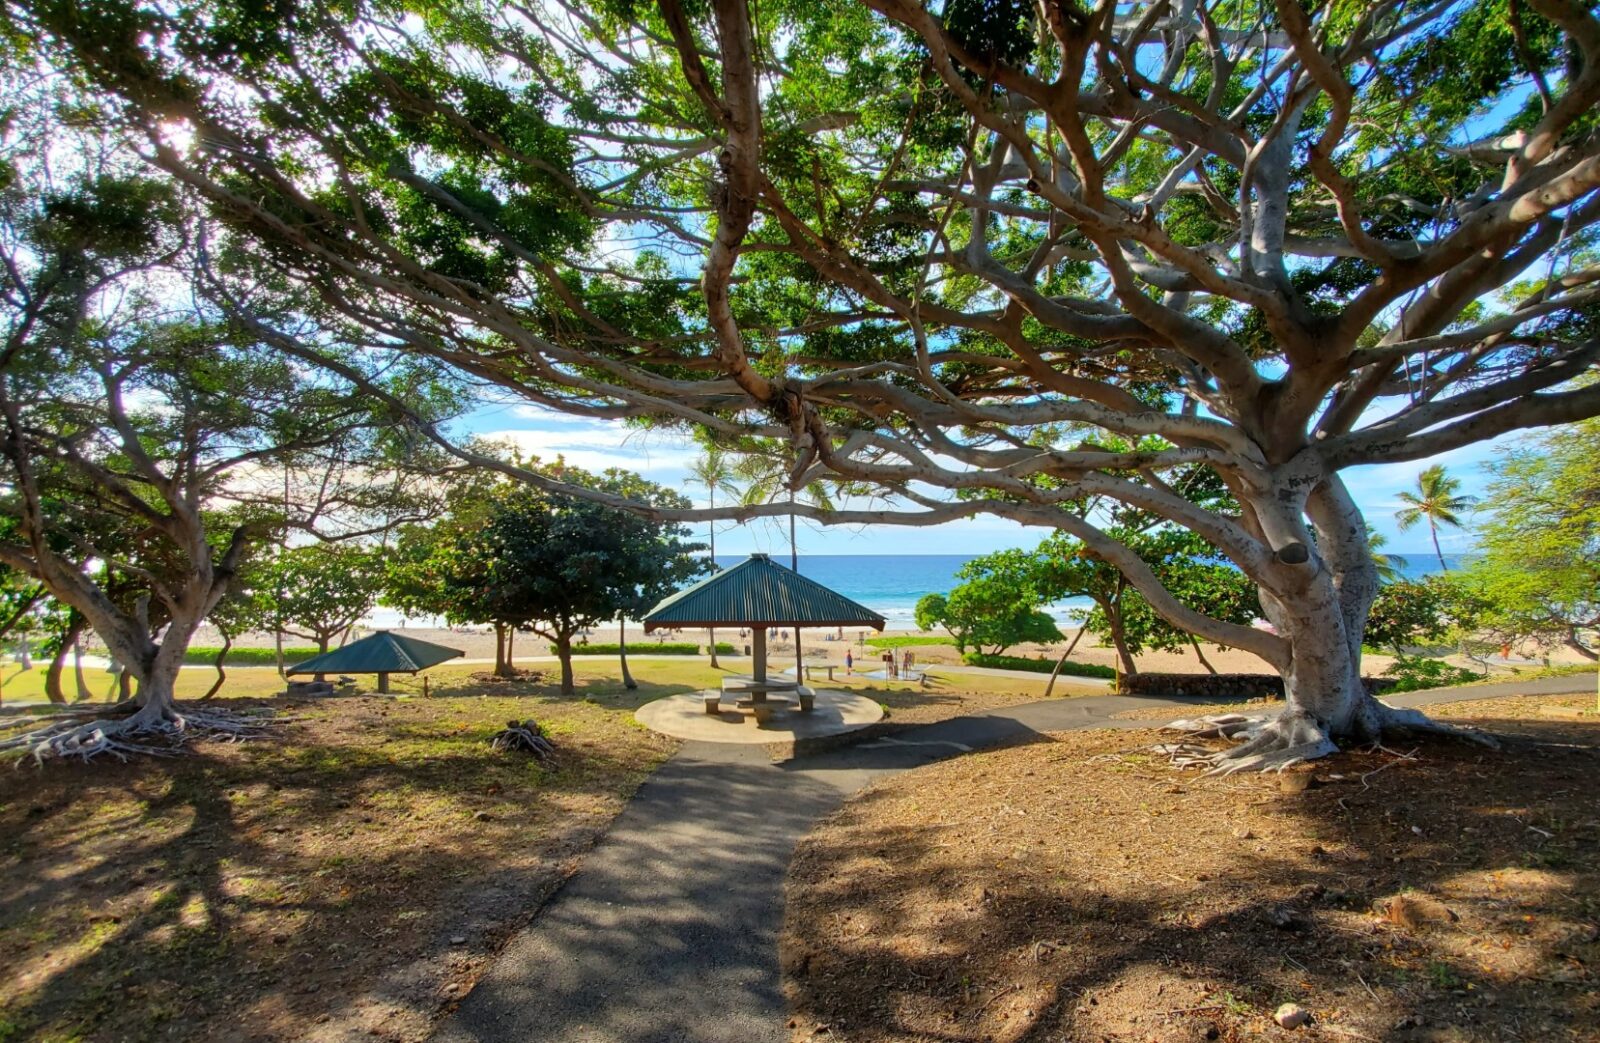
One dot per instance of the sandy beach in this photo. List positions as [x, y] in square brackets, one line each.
[824, 647]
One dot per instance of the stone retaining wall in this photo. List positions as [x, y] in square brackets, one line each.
[1221, 686]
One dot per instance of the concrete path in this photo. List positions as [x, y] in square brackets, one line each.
[1576, 684]
[669, 932]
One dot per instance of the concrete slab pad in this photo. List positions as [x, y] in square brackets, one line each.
[684, 717]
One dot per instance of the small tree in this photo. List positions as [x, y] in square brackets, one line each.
[997, 607]
[649, 560]
[1408, 611]
[1186, 566]
[325, 589]
[516, 557]
[1538, 568]
[442, 568]
[130, 435]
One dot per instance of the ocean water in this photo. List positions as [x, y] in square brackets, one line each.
[892, 584]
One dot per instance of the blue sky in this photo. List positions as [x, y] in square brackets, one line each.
[664, 457]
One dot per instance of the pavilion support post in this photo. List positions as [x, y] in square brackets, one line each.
[383, 684]
[758, 649]
[799, 660]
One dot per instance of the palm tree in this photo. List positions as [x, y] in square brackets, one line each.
[767, 468]
[767, 471]
[1390, 566]
[714, 471]
[1437, 499]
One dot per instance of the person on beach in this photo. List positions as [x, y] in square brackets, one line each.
[849, 662]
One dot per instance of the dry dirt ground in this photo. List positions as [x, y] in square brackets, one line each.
[1515, 708]
[1077, 888]
[348, 876]
[345, 878]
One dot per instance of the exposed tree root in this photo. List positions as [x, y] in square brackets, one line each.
[526, 736]
[1404, 721]
[1275, 743]
[145, 732]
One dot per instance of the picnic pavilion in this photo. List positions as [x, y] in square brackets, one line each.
[761, 595]
[383, 653]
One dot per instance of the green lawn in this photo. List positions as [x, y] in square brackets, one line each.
[909, 642]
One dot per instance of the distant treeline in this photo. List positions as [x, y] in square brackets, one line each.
[644, 648]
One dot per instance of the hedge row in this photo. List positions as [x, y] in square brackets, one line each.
[1222, 686]
[908, 642]
[646, 648]
[246, 656]
[1037, 666]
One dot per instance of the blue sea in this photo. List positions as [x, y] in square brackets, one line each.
[891, 584]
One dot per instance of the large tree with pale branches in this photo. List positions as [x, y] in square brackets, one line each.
[982, 256]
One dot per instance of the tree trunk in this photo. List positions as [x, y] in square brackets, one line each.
[221, 668]
[324, 642]
[1433, 530]
[52, 676]
[1119, 638]
[84, 692]
[157, 676]
[1319, 608]
[1194, 643]
[58, 664]
[1062, 662]
[564, 653]
[712, 532]
[502, 661]
[622, 654]
[1323, 679]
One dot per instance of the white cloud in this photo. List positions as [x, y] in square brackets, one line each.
[597, 444]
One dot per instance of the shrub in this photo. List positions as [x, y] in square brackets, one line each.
[1412, 673]
[1037, 666]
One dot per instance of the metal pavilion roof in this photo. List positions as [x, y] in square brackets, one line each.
[380, 653]
[759, 592]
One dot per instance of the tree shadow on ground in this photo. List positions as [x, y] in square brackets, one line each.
[1081, 890]
[307, 886]
[670, 931]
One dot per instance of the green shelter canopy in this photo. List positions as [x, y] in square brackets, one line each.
[760, 593]
[380, 653]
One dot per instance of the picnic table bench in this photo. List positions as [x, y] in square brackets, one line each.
[751, 694]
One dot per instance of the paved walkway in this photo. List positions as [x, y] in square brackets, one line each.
[669, 932]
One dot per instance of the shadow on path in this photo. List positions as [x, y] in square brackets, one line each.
[669, 932]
